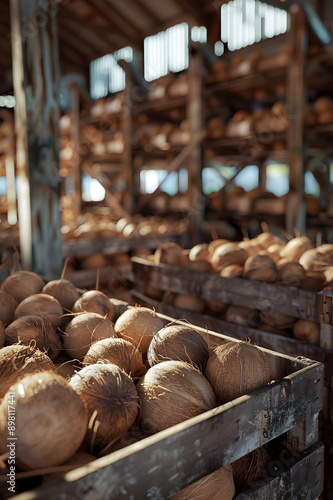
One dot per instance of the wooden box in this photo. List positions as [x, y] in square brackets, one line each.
[160, 465]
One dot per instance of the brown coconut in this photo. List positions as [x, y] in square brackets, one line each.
[265, 239]
[111, 399]
[2, 334]
[22, 284]
[168, 297]
[277, 320]
[178, 343]
[251, 468]
[296, 247]
[83, 330]
[119, 352]
[67, 368]
[96, 302]
[8, 304]
[34, 330]
[307, 331]
[314, 281]
[235, 369]
[169, 253]
[79, 459]
[189, 302]
[213, 245]
[233, 271]
[43, 305]
[19, 360]
[215, 307]
[171, 392]
[216, 486]
[260, 268]
[291, 273]
[138, 325]
[201, 265]
[62, 290]
[242, 315]
[46, 408]
[227, 255]
[199, 251]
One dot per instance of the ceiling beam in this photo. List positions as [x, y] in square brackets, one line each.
[193, 9]
[145, 11]
[81, 50]
[84, 32]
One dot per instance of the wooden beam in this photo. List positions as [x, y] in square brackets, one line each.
[36, 85]
[146, 11]
[75, 136]
[10, 168]
[192, 9]
[82, 50]
[127, 123]
[122, 21]
[111, 15]
[296, 204]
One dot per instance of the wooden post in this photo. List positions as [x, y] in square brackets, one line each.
[194, 162]
[75, 136]
[126, 119]
[10, 168]
[36, 87]
[296, 205]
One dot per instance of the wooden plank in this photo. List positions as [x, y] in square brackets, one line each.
[86, 278]
[76, 161]
[260, 296]
[296, 205]
[195, 160]
[198, 446]
[22, 162]
[10, 167]
[84, 248]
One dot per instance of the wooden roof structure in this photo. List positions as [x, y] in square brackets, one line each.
[91, 28]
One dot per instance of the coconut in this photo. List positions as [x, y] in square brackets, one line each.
[199, 252]
[83, 330]
[242, 315]
[8, 304]
[152, 291]
[171, 392]
[138, 325]
[265, 239]
[68, 368]
[251, 468]
[45, 410]
[217, 485]
[296, 247]
[308, 258]
[178, 343]
[189, 302]
[168, 297]
[111, 399]
[119, 352]
[291, 273]
[169, 253]
[18, 360]
[215, 306]
[227, 255]
[62, 290]
[235, 369]
[22, 284]
[314, 281]
[250, 247]
[2, 334]
[37, 330]
[96, 302]
[277, 319]
[199, 265]
[233, 271]
[43, 305]
[94, 261]
[307, 331]
[260, 268]
[213, 245]
[133, 435]
[265, 327]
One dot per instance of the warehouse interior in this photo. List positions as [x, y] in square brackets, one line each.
[174, 156]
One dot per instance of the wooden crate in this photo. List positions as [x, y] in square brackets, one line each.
[166, 462]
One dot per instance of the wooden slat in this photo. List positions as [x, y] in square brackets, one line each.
[84, 248]
[169, 460]
[261, 296]
[76, 161]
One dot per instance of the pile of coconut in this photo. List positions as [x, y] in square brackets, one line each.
[87, 376]
[265, 258]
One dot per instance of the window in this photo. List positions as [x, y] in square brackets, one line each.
[277, 179]
[106, 76]
[244, 22]
[311, 185]
[248, 178]
[176, 182]
[166, 51]
[92, 190]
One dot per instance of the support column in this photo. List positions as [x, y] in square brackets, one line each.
[296, 204]
[36, 88]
